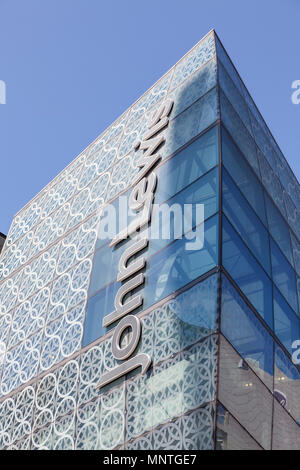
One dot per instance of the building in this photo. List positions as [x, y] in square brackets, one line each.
[208, 362]
[2, 240]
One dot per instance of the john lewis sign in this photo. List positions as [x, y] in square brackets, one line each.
[141, 202]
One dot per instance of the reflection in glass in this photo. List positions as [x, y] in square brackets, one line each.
[287, 383]
[244, 395]
[284, 276]
[230, 435]
[245, 221]
[167, 271]
[246, 333]
[247, 273]
[286, 323]
[243, 176]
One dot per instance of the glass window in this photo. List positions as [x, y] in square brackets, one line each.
[244, 395]
[222, 55]
[286, 432]
[296, 253]
[167, 271]
[118, 206]
[287, 383]
[171, 388]
[175, 174]
[293, 214]
[271, 182]
[97, 307]
[191, 122]
[203, 191]
[172, 268]
[246, 333]
[196, 429]
[242, 175]
[187, 166]
[245, 221]
[231, 435]
[263, 143]
[181, 321]
[284, 276]
[105, 267]
[239, 132]
[286, 323]
[247, 273]
[279, 229]
[234, 96]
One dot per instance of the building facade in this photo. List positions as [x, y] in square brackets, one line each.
[2, 240]
[217, 324]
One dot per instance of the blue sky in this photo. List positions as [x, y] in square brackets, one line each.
[71, 67]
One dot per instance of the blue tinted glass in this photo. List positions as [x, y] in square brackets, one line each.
[271, 182]
[105, 267]
[187, 166]
[174, 175]
[191, 122]
[245, 221]
[279, 229]
[167, 223]
[234, 96]
[246, 333]
[199, 305]
[222, 55]
[286, 323]
[243, 177]
[164, 228]
[203, 191]
[296, 253]
[118, 206]
[166, 272]
[263, 142]
[239, 132]
[247, 273]
[181, 321]
[175, 266]
[293, 214]
[284, 276]
[97, 307]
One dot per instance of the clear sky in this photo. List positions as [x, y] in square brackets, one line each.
[71, 67]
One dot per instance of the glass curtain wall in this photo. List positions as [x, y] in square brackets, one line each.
[219, 323]
[257, 380]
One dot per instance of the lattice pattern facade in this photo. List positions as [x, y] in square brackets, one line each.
[218, 323]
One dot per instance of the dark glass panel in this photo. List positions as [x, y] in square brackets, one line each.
[242, 175]
[247, 334]
[286, 323]
[284, 276]
[279, 229]
[247, 273]
[167, 271]
[239, 132]
[245, 221]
